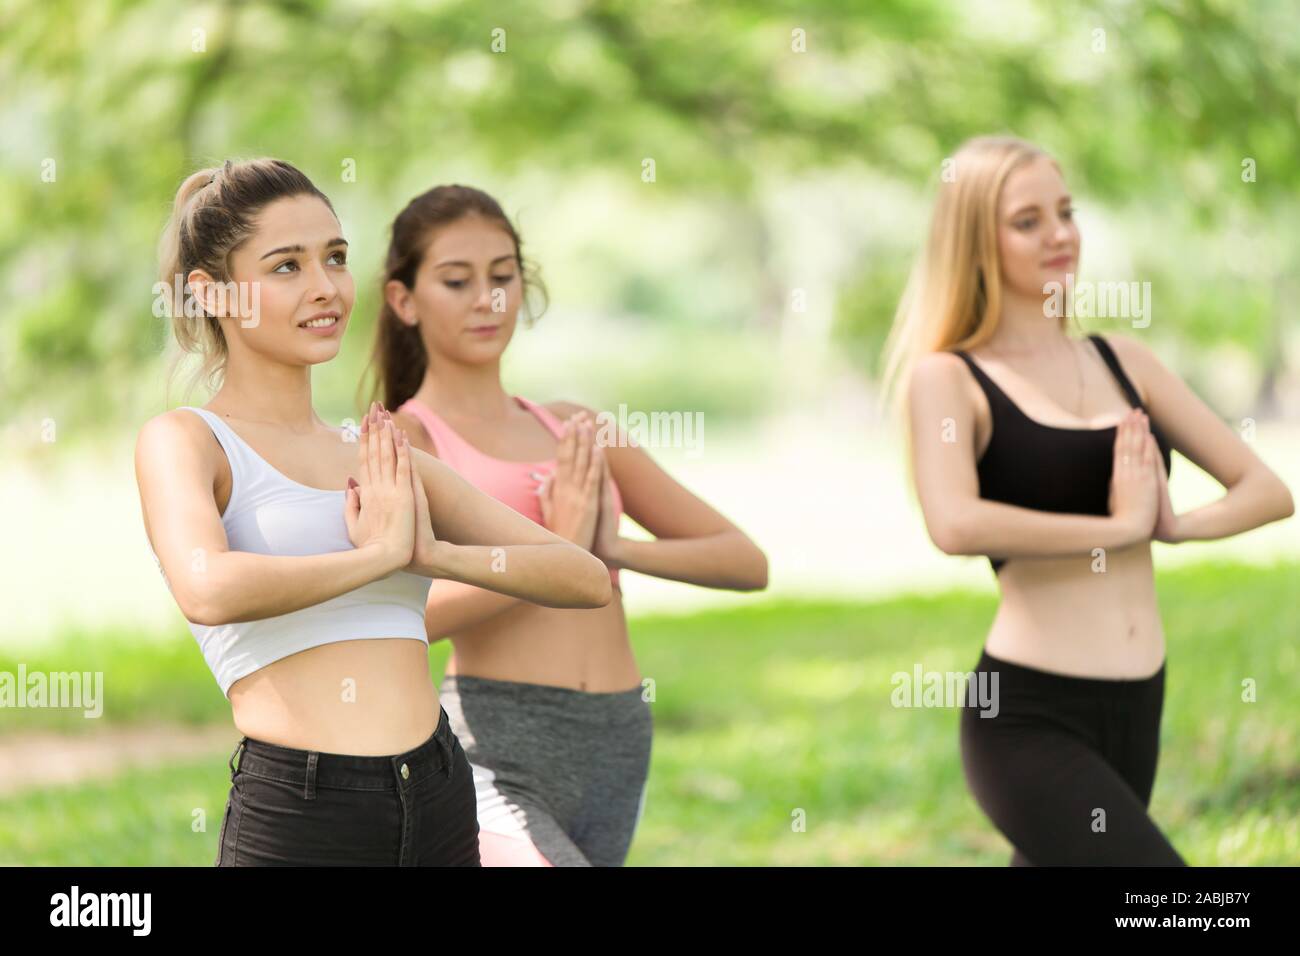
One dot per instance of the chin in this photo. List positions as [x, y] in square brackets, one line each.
[322, 353]
[1057, 276]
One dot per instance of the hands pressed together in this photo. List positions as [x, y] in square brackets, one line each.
[577, 499]
[1139, 487]
[388, 508]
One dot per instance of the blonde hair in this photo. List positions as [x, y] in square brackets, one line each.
[954, 294]
[215, 210]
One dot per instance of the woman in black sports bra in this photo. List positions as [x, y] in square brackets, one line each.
[1050, 453]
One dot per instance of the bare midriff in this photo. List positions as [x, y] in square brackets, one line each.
[581, 649]
[1079, 616]
[371, 697]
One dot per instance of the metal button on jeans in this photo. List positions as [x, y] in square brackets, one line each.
[406, 773]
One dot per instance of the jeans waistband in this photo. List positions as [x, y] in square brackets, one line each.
[1013, 676]
[310, 769]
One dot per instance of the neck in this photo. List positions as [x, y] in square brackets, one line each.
[471, 391]
[261, 390]
[1024, 327]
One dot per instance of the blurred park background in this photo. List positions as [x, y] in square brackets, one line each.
[724, 200]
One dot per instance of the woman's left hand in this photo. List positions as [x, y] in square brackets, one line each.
[606, 542]
[1166, 528]
[422, 555]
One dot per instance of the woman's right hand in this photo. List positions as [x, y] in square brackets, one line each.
[380, 509]
[570, 497]
[1134, 501]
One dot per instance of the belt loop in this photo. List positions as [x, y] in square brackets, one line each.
[235, 753]
[309, 788]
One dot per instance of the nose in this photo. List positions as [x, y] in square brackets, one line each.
[1063, 231]
[323, 288]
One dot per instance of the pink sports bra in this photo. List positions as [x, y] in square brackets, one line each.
[507, 481]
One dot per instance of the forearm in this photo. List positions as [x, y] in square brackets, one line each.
[1008, 531]
[453, 607]
[1254, 501]
[728, 560]
[552, 575]
[232, 586]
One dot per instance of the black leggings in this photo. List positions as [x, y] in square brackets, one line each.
[1065, 767]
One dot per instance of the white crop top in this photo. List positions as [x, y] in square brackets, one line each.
[270, 513]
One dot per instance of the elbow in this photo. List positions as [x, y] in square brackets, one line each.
[202, 603]
[601, 591]
[200, 609]
[596, 590]
[1287, 506]
[948, 535]
[756, 579]
[1280, 503]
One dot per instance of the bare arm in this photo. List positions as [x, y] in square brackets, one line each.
[484, 543]
[942, 432]
[693, 542]
[1255, 494]
[451, 607]
[176, 467]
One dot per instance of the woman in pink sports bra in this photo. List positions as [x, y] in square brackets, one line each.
[547, 702]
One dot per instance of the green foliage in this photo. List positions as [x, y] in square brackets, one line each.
[128, 97]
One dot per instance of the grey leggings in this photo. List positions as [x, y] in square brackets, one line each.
[559, 774]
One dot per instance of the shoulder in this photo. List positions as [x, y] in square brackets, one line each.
[563, 410]
[941, 364]
[937, 371]
[174, 428]
[175, 435]
[940, 386]
[1127, 348]
[1137, 360]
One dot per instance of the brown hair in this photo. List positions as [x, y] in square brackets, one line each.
[398, 360]
[215, 210]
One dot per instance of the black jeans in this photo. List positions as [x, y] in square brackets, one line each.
[1065, 768]
[290, 807]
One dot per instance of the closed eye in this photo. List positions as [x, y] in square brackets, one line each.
[340, 254]
[460, 283]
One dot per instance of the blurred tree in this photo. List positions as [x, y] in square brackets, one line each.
[1162, 106]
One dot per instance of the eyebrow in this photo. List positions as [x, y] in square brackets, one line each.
[470, 265]
[337, 241]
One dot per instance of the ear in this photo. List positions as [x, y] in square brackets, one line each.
[398, 297]
[205, 290]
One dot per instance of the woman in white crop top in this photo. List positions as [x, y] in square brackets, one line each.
[302, 554]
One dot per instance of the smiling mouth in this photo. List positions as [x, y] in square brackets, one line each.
[1059, 261]
[322, 323]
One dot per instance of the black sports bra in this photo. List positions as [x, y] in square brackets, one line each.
[1045, 467]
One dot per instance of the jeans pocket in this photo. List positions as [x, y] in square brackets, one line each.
[276, 825]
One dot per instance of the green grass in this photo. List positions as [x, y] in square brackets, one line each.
[776, 711]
